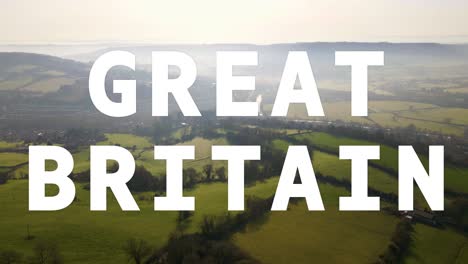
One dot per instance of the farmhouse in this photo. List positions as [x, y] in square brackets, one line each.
[424, 217]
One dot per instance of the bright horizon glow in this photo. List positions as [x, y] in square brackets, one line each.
[240, 21]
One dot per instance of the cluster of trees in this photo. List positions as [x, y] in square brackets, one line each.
[4, 177]
[252, 135]
[71, 138]
[145, 181]
[44, 252]
[75, 137]
[137, 250]
[272, 158]
[196, 249]
[191, 127]
[400, 243]
[221, 227]
[211, 244]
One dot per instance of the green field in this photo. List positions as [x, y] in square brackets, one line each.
[82, 235]
[81, 160]
[48, 85]
[388, 155]
[392, 114]
[9, 145]
[10, 159]
[446, 115]
[202, 156]
[390, 120]
[128, 141]
[300, 236]
[331, 165]
[203, 146]
[433, 245]
[456, 179]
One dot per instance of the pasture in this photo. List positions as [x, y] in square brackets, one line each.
[392, 114]
[324, 237]
[456, 178]
[11, 159]
[9, 145]
[432, 245]
[81, 234]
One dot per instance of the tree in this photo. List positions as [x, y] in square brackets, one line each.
[221, 172]
[3, 178]
[252, 172]
[142, 180]
[184, 215]
[10, 257]
[208, 170]
[190, 177]
[161, 128]
[46, 253]
[137, 250]
[183, 220]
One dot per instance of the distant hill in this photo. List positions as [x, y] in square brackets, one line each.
[402, 52]
[402, 60]
[38, 73]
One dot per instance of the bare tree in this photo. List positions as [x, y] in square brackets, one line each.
[137, 250]
[10, 257]
[46, 253]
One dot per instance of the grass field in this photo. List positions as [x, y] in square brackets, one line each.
[446, 115]
[333, 111]
[49, 85]
[388, 155]
[300, 236]
[431, 245]
[203, 146]
[81, 160]
[392, 114]
[462, 90]
[332, 166]
[10, 159]
[390, 120]
[297, 228]
[202, 156]
[456, 179]
[82, 235]
[127, 141]
[9, 145]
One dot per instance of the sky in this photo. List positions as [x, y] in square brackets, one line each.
[237, 21]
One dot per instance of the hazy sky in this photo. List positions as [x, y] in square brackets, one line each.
[253, 21]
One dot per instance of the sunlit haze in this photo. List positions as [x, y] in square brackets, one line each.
[240, 21]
